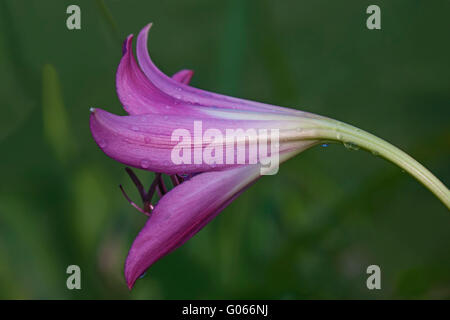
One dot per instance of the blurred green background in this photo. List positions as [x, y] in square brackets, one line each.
[308, 232]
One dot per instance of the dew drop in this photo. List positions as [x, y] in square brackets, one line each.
[351, 146]
[324, 145]
[145, 164]
[134, 128]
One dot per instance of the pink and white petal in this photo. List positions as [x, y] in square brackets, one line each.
[145, 141]
[140, 95]
[137, 94]
[193, 95]
[183, 212]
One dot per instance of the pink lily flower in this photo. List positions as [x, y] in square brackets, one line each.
[165, 113]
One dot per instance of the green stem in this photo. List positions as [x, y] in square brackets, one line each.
[352, 137]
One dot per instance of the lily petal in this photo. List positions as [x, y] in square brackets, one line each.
[182, 212]
[193, 95]
[137, 94]
[186, 209]
[145, 141]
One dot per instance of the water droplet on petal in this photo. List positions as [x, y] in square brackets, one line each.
[145, 164]
[134, 128]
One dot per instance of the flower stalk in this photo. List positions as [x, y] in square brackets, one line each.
[352, 137]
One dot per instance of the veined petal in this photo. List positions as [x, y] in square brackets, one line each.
[182, 212]
[193, 95]
[148, 141]
[185, 210]
[137, 94]
[141, 94]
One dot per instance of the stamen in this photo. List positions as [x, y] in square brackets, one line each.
[157, 185]
[161, 186]
[151, 190]
[134, 204]
[174, 180]
[145, 196]
[137, 183]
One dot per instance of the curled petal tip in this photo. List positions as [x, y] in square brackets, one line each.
[148, 26]
[130, 284]
[127, 44]
[130, 276]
